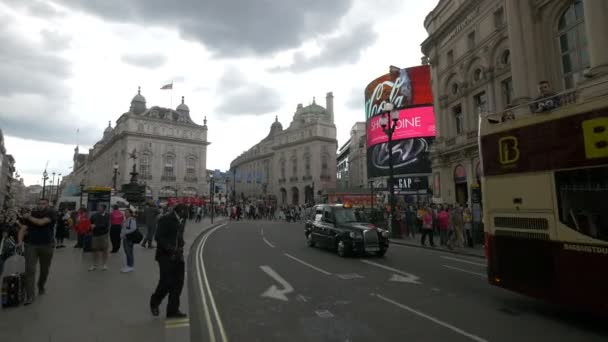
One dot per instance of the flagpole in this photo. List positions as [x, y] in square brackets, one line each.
[171, 106]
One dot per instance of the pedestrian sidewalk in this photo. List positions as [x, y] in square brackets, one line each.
[82, 306]
[477, 251]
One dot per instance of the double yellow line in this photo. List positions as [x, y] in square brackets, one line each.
[177, 323]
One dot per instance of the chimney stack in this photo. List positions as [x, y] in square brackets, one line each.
[329, 105]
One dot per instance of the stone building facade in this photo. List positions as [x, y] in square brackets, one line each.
[352, 160]
[488, 55]
[295, 165]
[171, 153]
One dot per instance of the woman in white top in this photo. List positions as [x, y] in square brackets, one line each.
[129, 225]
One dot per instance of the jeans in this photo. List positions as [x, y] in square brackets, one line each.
[128, 246]
[33, 255]
[443, 236]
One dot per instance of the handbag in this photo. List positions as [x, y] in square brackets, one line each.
[135, 236]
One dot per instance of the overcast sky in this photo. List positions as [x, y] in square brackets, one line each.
[76, 64]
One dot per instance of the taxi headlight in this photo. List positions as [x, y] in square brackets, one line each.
[384, 234]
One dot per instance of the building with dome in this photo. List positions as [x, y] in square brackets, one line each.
[293, 165]
[171, 152]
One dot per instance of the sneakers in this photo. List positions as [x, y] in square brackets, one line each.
[104, 267]
[92, 268]
[28, 301]
[127, 269]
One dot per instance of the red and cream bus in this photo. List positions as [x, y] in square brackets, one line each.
[545, 201]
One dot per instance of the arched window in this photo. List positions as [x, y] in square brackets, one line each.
[169, 170]
[573, 44]
[144, 166]
[167, 192]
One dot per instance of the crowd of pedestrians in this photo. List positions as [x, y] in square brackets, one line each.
[452, 223]
[32, 236]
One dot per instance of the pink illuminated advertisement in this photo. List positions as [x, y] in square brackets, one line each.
[416, 122]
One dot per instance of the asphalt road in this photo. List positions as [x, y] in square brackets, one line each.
[258, 281]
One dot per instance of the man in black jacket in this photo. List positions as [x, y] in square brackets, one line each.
[170, 258]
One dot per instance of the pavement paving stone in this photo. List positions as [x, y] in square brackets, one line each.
[96, 306]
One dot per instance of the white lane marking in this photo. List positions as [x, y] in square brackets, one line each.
[273, 291]
[203, 295]
[211, 299]
[432, 319]
[401, 279]
[307, 264]
[268, 242]
[324, 313]
[408, 277]
[349, 276]
[465, 271]
[301, 298]
[465, 261]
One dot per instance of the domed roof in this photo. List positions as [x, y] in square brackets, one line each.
[313, 108]
[183, 107]
[138, 97]
[276, 125]
[108, 129]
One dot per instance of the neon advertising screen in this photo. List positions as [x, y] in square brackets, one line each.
[409, 90]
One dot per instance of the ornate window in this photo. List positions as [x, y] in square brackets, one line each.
[294, 167]
[282, 162]
[307, 165]
[573, 44]
[190, 167]
[169, 169]
[144, 166]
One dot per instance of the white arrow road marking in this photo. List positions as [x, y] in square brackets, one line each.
[273, 291]
[465, 271]
[268, 242]
[431, 318]
[401, 279]
[407, 277]
[465, 261]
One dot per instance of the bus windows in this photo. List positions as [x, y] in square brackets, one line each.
[582, 197]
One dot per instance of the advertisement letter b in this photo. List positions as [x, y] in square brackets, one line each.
[508, 150]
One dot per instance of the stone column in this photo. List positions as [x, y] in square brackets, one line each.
[596, 27]
[522, 44]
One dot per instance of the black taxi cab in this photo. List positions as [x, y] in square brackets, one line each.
[338, 227]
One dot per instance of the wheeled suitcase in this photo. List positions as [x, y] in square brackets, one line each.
[13, 290]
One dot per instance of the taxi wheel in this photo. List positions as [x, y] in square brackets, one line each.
[309, 241]
[342, 249]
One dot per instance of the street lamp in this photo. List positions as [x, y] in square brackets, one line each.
[211, 194]
[115, 175]
[51, 189]
[57, 192]
[82, 184]
[45, 176]
[388, 126]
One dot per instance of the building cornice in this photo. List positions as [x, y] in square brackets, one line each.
[446, 26]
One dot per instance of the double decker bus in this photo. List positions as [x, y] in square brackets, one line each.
[545, 200]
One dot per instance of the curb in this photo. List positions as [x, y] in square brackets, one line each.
[453, 251]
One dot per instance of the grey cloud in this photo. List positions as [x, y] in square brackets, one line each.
[38, 8]
[343, 49]
[229, 27]
[240, 97]
[54, 40]
[28, 68]
[33, 95]
[151, 60]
